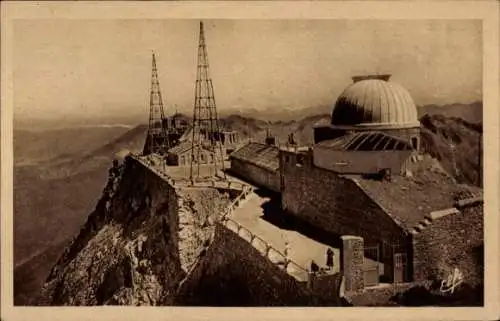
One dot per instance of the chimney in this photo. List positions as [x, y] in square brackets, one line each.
[384, 77]
[270, 140]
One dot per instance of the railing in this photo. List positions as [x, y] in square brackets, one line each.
[246, 190]
[265, 249]
[268, 251]
[212, 183]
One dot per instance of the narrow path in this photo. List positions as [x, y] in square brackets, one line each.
[298, 247]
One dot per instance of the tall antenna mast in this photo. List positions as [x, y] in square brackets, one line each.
[206, 133]
[157, 139]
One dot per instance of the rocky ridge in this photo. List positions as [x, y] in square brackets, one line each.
[137, 246]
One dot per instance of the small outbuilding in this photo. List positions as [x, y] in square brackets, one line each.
[257, 163]
[181, 154]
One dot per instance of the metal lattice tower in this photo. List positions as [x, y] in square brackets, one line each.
[206, 134]
[157, 139]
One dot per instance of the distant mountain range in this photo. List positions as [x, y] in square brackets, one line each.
[471, 112]
[59, 173]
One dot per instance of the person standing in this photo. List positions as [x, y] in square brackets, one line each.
[314, 267]
[329, 258]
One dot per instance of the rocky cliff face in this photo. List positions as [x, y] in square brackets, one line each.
[140, 242]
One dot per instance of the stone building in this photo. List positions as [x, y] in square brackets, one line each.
[180, 155]
[258, 163]
[382, 209]
[229, 140]
[366, 177]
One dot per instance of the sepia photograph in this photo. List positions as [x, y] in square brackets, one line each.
[237, 162]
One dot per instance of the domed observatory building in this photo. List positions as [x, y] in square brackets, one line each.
[373, 103]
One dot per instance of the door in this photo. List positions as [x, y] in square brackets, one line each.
[371, 265]
[399, 267]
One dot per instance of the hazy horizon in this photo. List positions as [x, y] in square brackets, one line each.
[89, 68]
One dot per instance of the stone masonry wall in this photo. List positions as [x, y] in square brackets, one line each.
[234, 273]
[455, 240]
[198, 209]
[127, 252]
[352, 257]
[138, 244]
[257, 175]
[336, 205]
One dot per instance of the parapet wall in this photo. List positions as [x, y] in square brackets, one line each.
[234, 273]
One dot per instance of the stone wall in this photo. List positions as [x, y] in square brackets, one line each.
[351, 258]
[256, 175]
[326, 286]
[183, 158]
[234, 273]
[144, 236]
[198, 209]
[336, 205]
[454, 240]
[127, 251]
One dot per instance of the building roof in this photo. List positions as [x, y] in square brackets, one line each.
[366, 141]
[409, 199]
[372, 102]
[261, 155]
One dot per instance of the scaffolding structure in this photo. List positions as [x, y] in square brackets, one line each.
[206, 134]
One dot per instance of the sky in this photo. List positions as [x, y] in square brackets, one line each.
[98, 68]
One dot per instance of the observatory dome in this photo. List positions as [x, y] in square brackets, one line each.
[374, 102]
